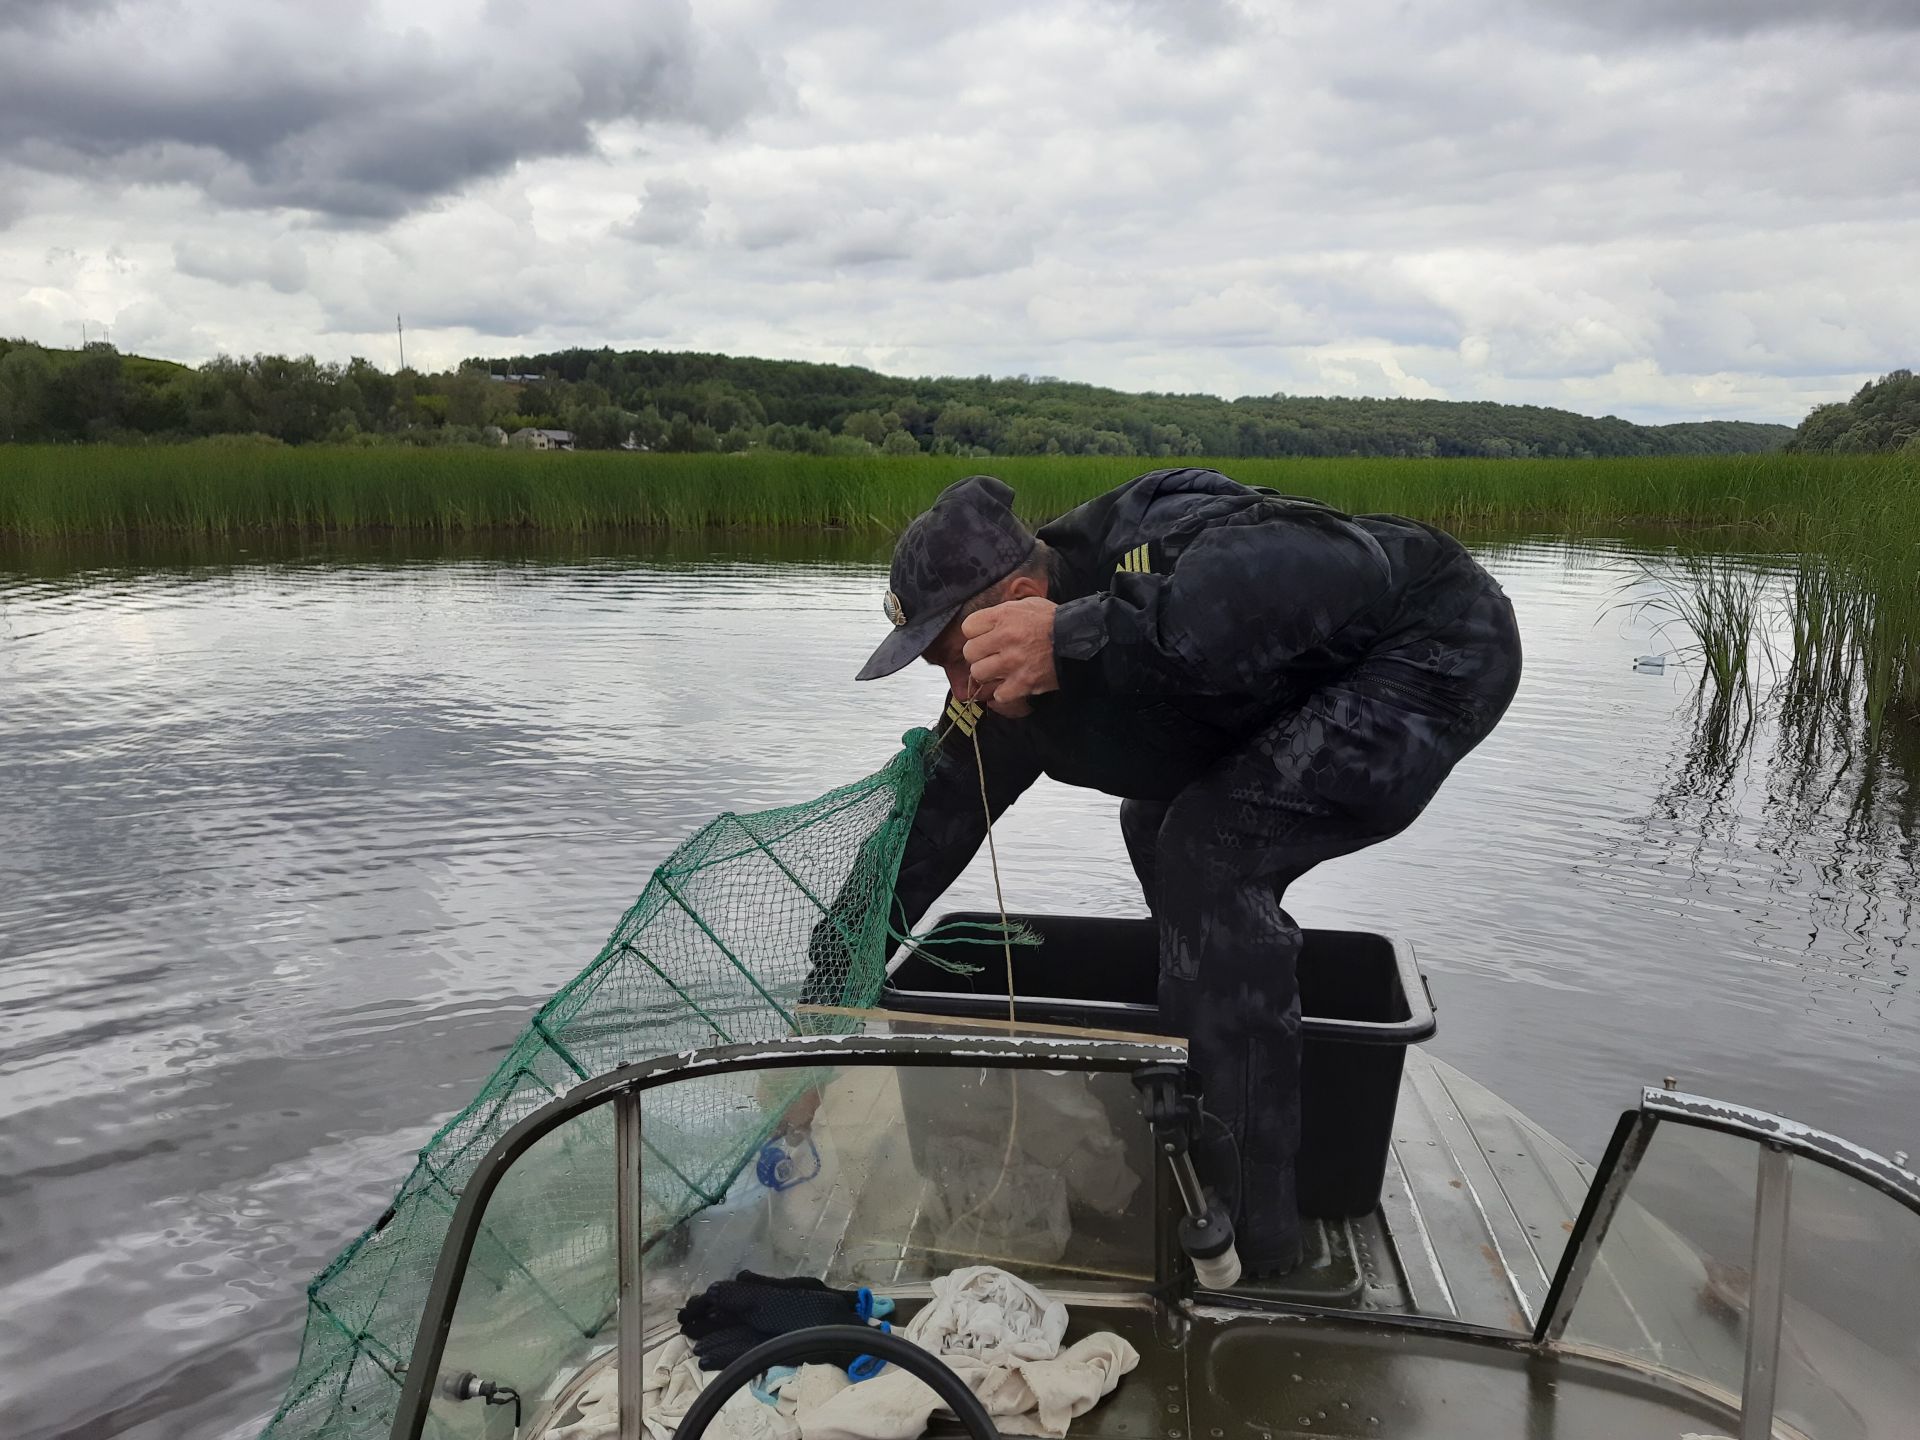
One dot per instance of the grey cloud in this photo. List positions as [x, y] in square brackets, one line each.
[868, 238]
[835, 225]
[1198, 22]
[971, 252]
[326, 109]
[280, 264]
[13, 198]
[671, 212]
[484, 314]
[44, 14]
[1655, 19]
[772, 227]
[1627, 207]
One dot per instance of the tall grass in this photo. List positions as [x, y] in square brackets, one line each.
[1853, 520]
[1719, 602]
[1831, 648]
[52, 491]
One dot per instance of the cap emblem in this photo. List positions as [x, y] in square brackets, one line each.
[892, 606]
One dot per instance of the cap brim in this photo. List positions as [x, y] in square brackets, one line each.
[906, 644]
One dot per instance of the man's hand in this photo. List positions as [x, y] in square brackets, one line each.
[1009, 652]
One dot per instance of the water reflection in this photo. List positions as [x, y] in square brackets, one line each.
[1798, 672]
[292, 839]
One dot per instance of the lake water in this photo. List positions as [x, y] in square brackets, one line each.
[290, 846]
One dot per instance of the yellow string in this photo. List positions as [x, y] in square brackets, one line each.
[993, 860]
[1006, 945]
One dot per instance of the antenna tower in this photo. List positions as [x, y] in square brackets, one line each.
[401, 334]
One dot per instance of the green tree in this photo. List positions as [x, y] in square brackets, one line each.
[1882, 415]
[968, 426]
[24, 379]
[649, 429]
[368, 392]
[867, 425]
[600, 427]
[474, 397]
[86, 397]
[899, 442]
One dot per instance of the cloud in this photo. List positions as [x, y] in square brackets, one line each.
[281, 265]
[1193, 22]
[1667, 211]
[1651, 20]
[13, 198]
[44, 14]
[669, 213]
[357, 111]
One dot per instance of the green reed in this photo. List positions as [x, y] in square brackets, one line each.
[1830, 642]
[1719, 601]
[1854, 521]
[53, 491]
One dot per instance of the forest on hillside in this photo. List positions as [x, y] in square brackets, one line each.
[689, 402]
[1883, 415]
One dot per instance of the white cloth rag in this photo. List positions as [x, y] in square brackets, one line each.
[996, 1332]
[991, 1316]
[673, 1379]
[1024, 1397]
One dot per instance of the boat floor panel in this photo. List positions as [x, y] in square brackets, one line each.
[1473, 1217]
[1272, 1378]
[1269, 1378]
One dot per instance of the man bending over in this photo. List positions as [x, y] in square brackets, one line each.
[1265, 682]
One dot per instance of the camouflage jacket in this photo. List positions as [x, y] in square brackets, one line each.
[1193, 611]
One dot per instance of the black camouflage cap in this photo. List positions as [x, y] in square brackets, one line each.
[968, 542]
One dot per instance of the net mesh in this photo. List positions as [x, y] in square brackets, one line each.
[752, 918]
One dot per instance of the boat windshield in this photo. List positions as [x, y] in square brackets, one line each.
[1773, 1266]
[877, 1170]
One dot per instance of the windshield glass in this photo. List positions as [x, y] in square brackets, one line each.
[1850, 1332]
[889, 1176]
[1758, 1259]
[1664, 1288]
[877, 1175]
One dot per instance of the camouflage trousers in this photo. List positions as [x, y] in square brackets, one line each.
[1353, 765]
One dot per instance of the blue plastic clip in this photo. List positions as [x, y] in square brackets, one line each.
[865, 1367]
[762, 1388]
[776, 1169]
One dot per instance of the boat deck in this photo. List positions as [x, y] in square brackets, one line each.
[1266, 1377]
[1477, 1208]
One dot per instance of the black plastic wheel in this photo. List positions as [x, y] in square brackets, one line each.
[839, 1342]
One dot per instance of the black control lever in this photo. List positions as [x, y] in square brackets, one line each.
[1170, 1100]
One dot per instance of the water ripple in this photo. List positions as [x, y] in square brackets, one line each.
[291, 849]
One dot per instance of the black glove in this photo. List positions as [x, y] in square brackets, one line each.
[732, 1316]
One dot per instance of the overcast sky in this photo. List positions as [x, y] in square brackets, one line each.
[1666, 209]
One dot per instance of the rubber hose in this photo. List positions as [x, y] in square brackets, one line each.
[830, 1342]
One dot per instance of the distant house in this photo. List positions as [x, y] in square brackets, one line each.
[532, 439]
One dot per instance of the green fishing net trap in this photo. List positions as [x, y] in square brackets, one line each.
[748, 929]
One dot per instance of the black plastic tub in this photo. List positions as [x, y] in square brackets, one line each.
[1363, 1000]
